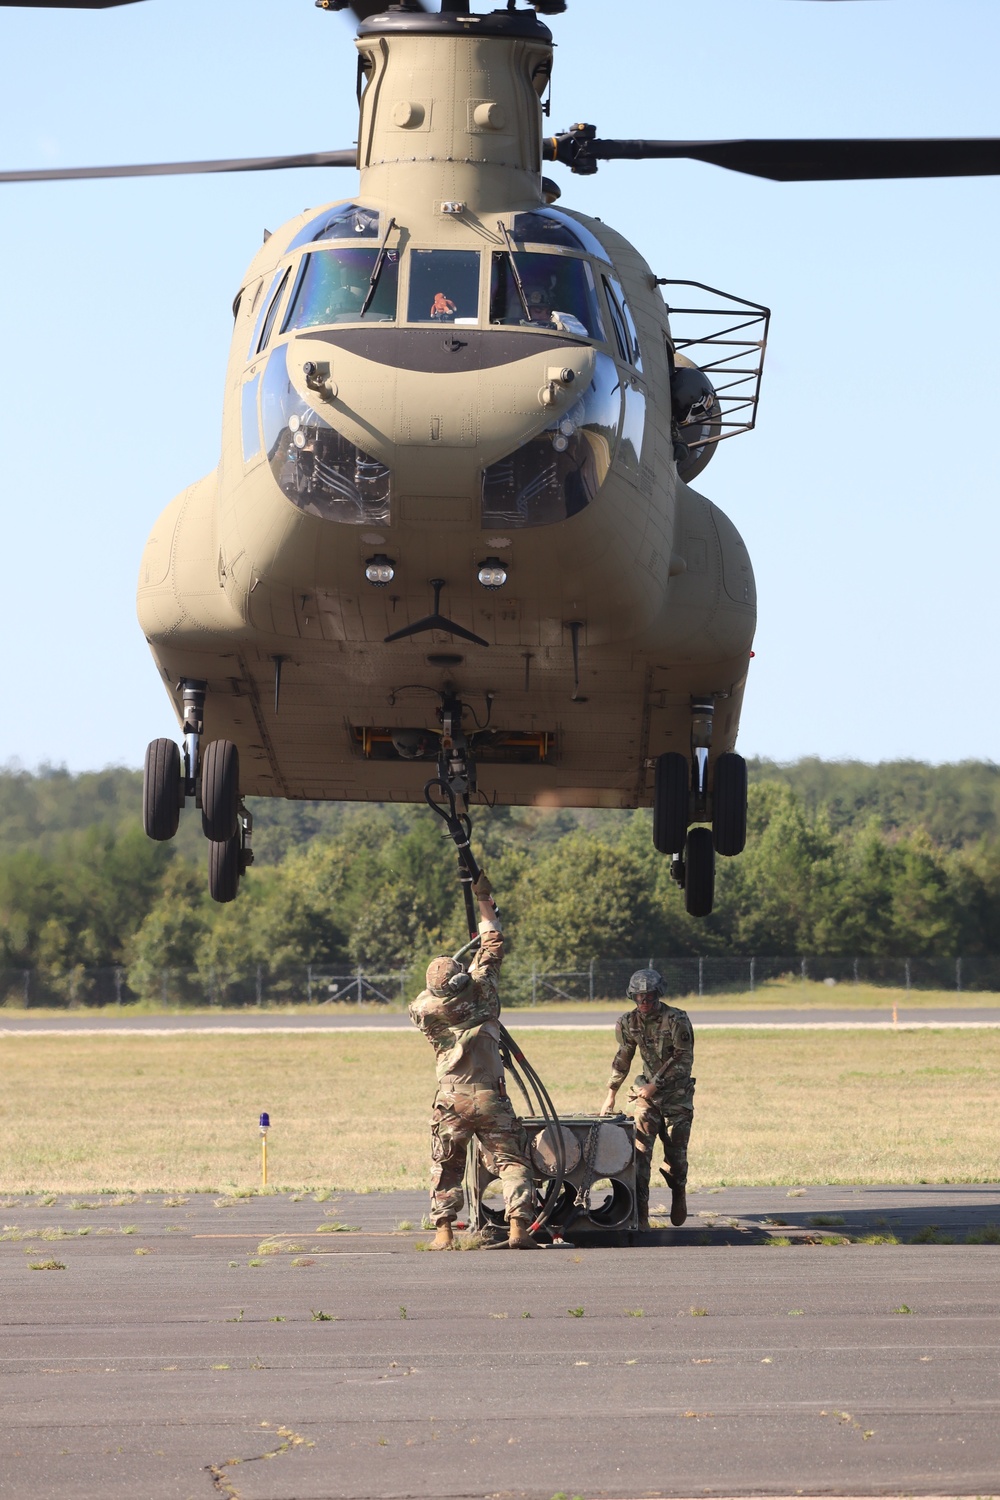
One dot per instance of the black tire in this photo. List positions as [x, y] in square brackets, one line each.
[729, 804]
[671, 796]
[162, 791]
[224, 868]
[220, 790]
[699, 876]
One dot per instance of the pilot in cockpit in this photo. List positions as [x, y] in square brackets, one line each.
[538, 297]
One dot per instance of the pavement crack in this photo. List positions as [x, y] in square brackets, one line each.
[225, 1485]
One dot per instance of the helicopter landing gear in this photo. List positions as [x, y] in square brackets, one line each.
[702, 717]
[694, 871]
[193, 727]
[680, 796]
[229, 859]
[169, 776]
[699, 872]
[211, 775]
[671, 802]
[220, 790]
[162, 790]
[729, 804]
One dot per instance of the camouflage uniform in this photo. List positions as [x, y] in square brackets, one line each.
[471, 1098]
[666, 1045]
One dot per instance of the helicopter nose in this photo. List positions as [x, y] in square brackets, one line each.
[433, 411]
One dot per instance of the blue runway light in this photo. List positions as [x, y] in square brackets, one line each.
[265, 1120]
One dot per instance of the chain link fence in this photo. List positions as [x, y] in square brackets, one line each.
[719, 974]
[523, 984]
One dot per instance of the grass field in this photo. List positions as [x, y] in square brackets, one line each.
[92, 1114]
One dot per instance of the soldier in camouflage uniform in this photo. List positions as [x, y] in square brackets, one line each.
[663, 1095]
[458, 1013]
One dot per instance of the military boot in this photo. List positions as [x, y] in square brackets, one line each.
[678, 1198]
[445, 1237]
[519, 1238]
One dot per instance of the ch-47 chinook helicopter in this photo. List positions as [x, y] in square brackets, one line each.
[453, 529]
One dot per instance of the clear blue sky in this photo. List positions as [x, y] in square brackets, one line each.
[868, 494]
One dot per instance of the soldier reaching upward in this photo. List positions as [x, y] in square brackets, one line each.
[458, 1013]
[664, 1094]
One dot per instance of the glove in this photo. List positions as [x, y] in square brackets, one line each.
[482, 888]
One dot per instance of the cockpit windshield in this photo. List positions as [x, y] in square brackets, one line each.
[333, 284]
[545, 291]
[550, 226]
[347, 221]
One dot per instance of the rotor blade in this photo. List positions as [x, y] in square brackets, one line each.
[63, 4]
[363, 10]
[820, 160]
[175, 168]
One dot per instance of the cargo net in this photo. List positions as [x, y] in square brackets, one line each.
[726, 339]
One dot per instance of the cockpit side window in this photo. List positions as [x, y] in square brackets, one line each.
[444, 286]
[272, 312]
[277, 283]
[621, 316]
[545, 291]
[618, 322]
[333, 287]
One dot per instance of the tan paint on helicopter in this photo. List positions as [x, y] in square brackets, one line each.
[235, 575]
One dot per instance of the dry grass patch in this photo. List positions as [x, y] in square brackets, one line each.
[772, 1107]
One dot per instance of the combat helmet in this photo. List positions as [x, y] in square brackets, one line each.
[645, 982]
[446, 977]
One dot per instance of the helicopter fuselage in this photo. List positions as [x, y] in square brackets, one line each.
[447, 390]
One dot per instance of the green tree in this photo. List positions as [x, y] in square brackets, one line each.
[163, 953]
[925, 917]
[785, 886]
[583, 900]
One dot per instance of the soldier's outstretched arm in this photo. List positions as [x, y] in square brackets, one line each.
[486, 964]
[620, 1067]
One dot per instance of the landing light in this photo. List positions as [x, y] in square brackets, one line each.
[380, 570]
[492, 573]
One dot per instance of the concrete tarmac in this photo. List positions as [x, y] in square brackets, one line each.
[197, 1347]
[251, 1022]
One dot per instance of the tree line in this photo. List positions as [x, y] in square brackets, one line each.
[839, 861]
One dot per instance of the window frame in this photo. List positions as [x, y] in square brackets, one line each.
[407, 276]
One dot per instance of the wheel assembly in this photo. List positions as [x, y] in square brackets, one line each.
[699, 872]
[162, 790]
[220, 790]
[224, 860]
[729, 804]
[671, 792]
